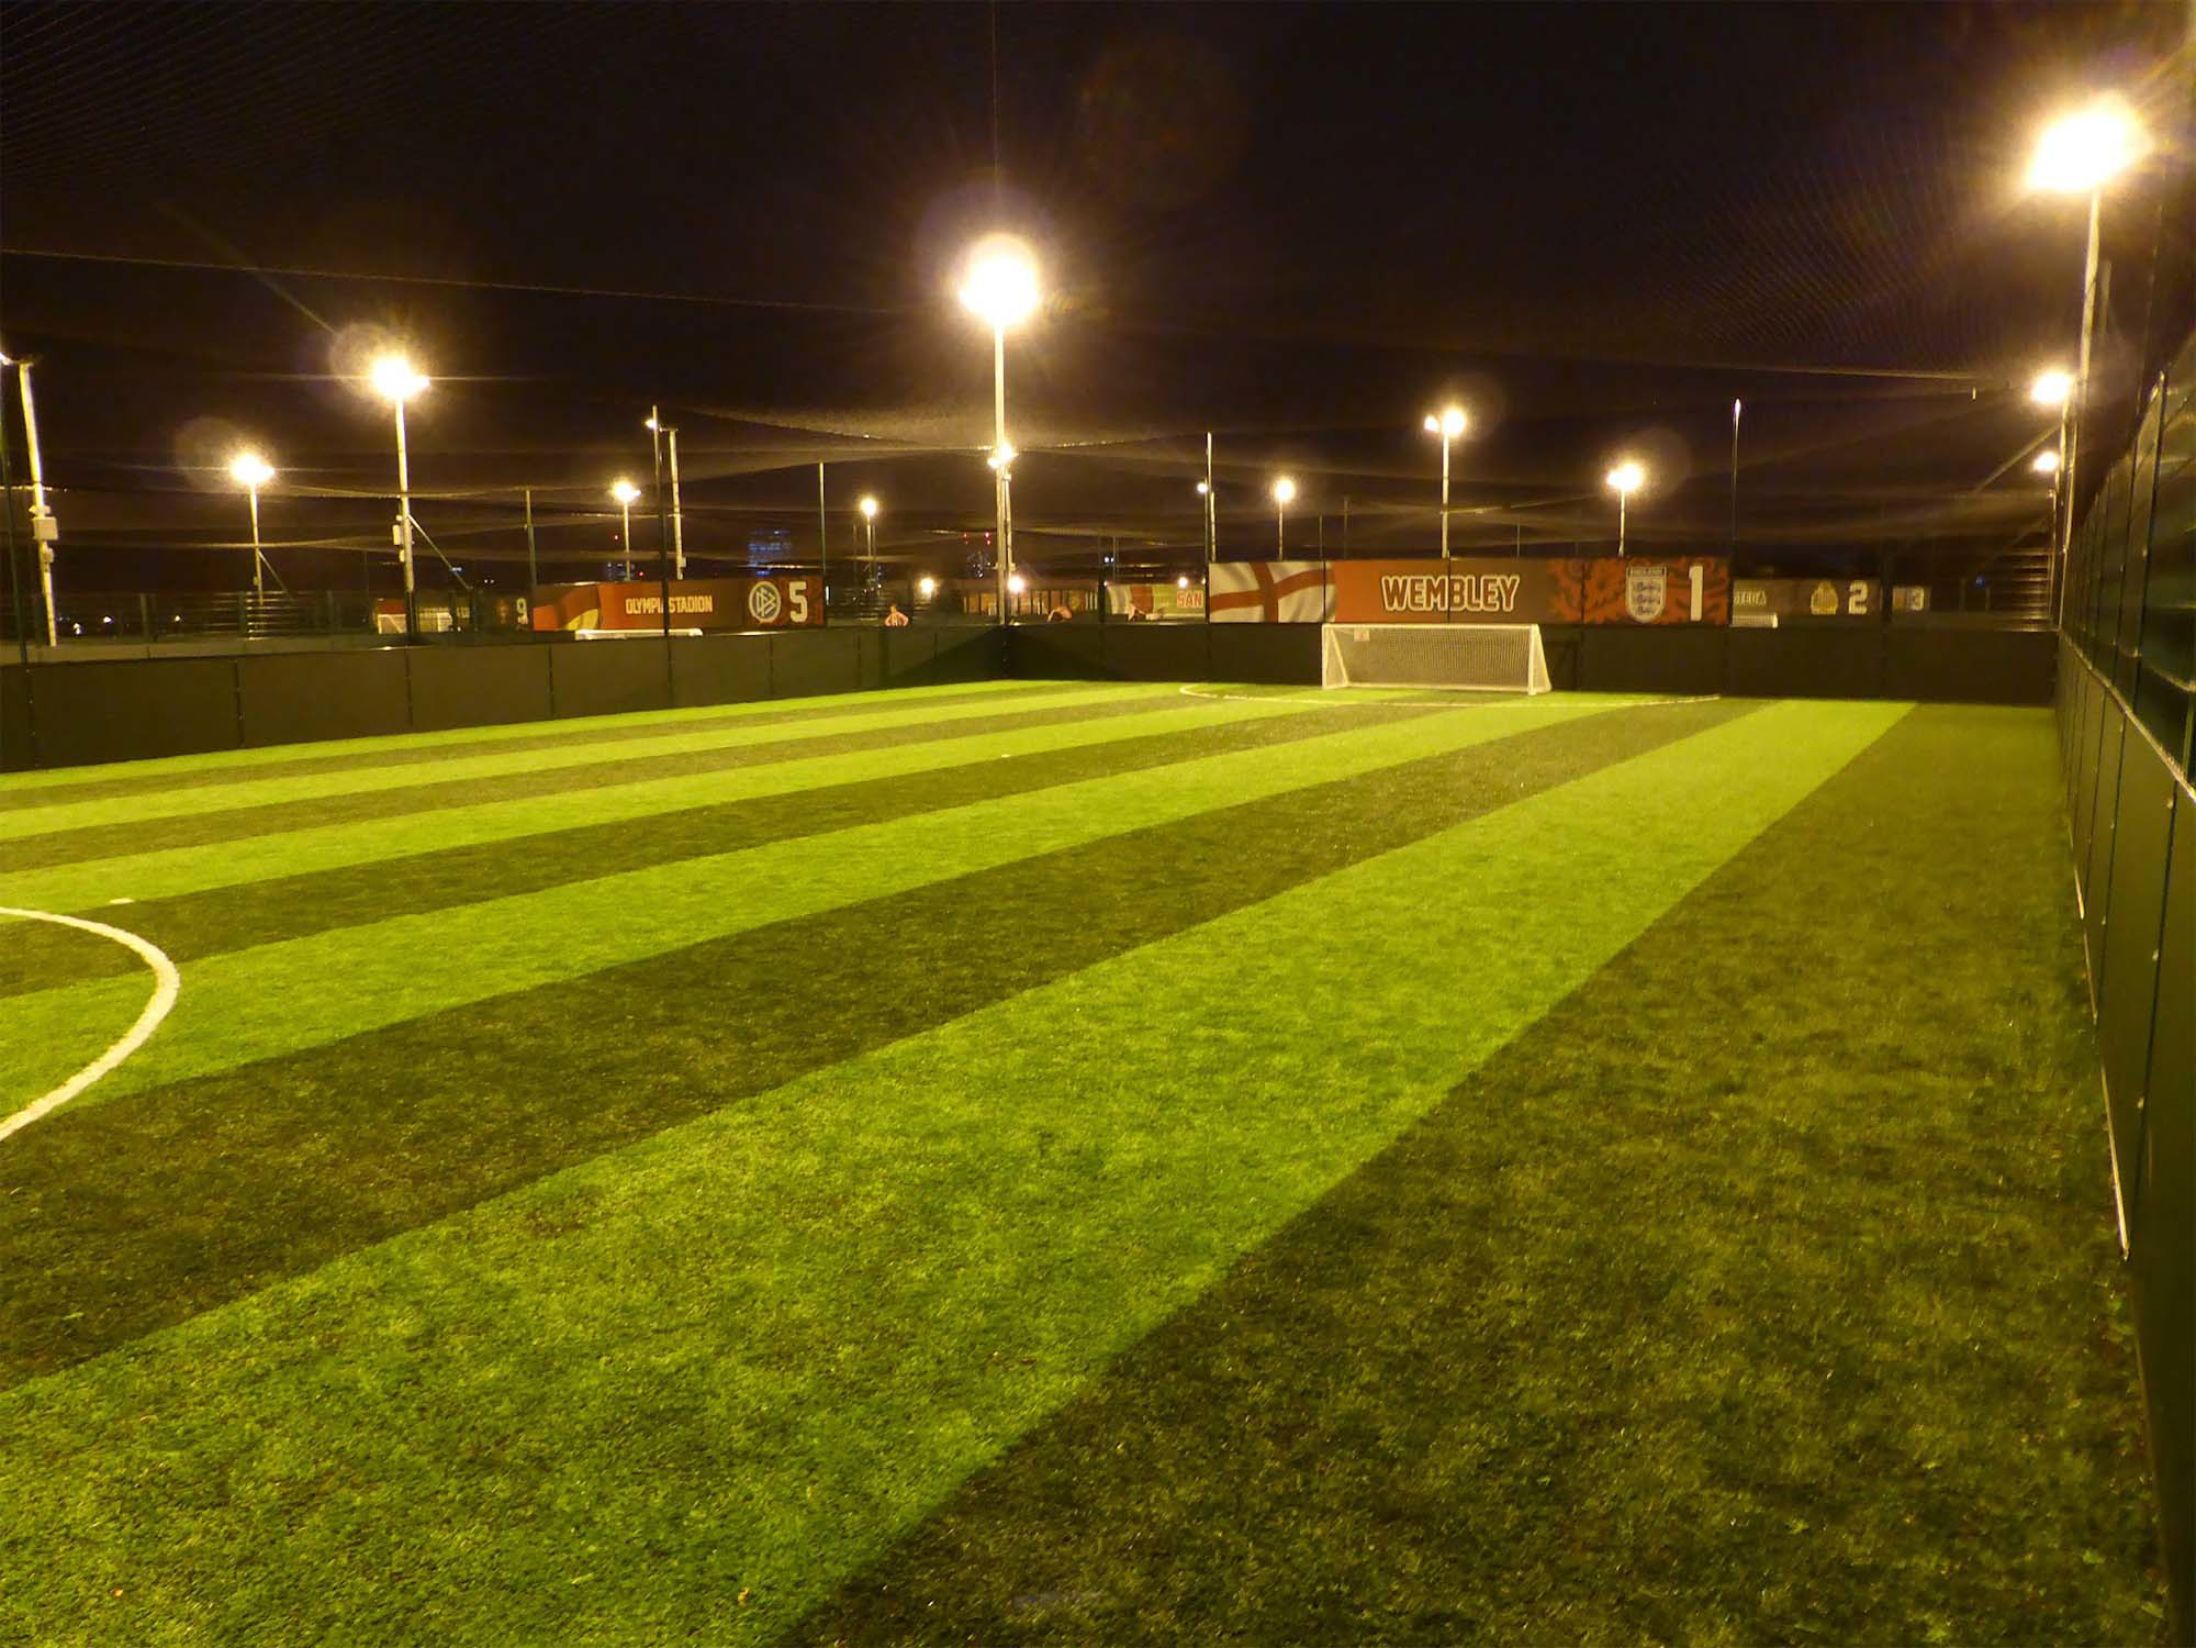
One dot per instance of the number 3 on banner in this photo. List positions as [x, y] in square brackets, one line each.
[1696, 573]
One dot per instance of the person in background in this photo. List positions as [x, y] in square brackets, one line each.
[894, 617]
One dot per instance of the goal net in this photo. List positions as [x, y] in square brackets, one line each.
[1462, 657]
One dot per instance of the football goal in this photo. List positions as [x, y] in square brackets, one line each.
[1461, 657]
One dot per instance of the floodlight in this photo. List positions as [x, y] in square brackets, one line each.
[1626, 478]
[1284, 490]
[2047, 461]
[2051, 388]
[250, 470]
[395, 379]
[1000, 282]
[2080, 153]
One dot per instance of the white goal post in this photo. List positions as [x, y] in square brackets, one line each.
[1458, 657]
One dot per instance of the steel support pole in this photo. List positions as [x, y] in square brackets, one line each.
[1001, 503]
[43, 534]
[2078, 401]
[678, 515]
[404, 528]
[1444, 494]
[259, 582]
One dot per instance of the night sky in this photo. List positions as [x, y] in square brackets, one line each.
[1298, 227]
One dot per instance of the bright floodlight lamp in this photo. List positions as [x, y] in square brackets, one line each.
[395, 379]
[926, 586]
[1003, 459]
[651, 422]
[1204, 489]
[2047, 461]
[626, 493]
[999, 284]
[2080, 153]
[250, 471]
[1448, 423]
[2051, 388]
[1626, 478]
[1284, 490]
[869, 509]
[1016, 583]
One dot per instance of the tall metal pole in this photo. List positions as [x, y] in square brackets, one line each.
[663, 568]
[1002, 504]
[823, 543]
[625, 537]
[404, 526]
[259, 582]
[45, 532]
[1444, 494]
[1212, 510]
[1281, 530]
[533, 567]
[2078, 402]
[678, 516]
[1736, 408]
[1622, 499]
[7, 526]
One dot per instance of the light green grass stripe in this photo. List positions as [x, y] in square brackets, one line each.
[170, 872]
[274, 755]
[186, 803]
[278, 998]
[744, 1355]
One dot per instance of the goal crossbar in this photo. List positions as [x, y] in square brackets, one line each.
[1450, 657]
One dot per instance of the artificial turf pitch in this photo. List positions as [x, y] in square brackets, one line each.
[1069, 1163]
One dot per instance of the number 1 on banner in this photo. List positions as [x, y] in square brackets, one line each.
[1695, 573]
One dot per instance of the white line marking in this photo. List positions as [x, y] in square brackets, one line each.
[1337, 699]
[169, 985]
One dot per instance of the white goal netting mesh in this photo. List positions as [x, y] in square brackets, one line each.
[1462, 657]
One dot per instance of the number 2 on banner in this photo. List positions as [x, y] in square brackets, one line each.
[1696, 574]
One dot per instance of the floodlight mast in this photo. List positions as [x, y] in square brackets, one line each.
[2080, 153]
[1624, 480]
[395, 380]
[1284, 493]
[45, 530]
[1000, 288]
[1448, 423]
[251, 471]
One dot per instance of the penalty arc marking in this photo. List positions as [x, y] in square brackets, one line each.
[167, 986]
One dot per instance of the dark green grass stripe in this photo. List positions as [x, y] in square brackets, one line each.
[40, 852]
[121, 1218]
[223, 919]
[405, 755]
[1760, 1293]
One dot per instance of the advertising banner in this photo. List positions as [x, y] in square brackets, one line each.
[1270, 592]
[1764, 603]
[1169, 599]
[1643, 589]
[1686, 589]
[696, 603]
[1467, 590]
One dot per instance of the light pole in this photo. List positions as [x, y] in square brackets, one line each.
[669, 435]
[396, 382]
[999, 287]
[1448, 423]
[2079, 154]
[1211, 495]
[1624, 480]
[251, 472]
[45, 530]
[1204, 518]
[625, 492]
[868, 507]
[1284, 493]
